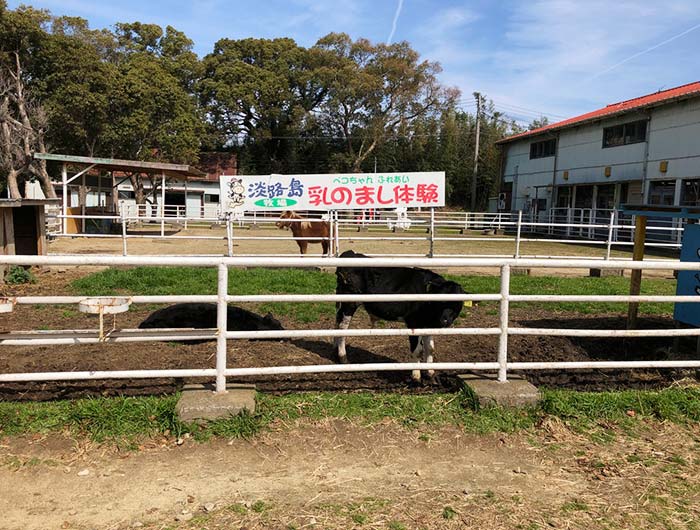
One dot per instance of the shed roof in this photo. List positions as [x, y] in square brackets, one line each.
[16, 203]
[115, 164]
[661, 97]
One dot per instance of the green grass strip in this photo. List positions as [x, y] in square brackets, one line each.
[128, 418]
[192, 280]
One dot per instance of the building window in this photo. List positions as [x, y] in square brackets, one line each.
[627, 133]
[564, 196]
[690, 193]
[605, 198]
[211, 198]
[125, 194]
[543, 149]
[662, 192]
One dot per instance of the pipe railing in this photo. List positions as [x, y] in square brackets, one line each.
[435, 221]
[221, 334]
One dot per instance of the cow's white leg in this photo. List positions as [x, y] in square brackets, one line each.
[340, 341]
[428, 349]
[416, 349]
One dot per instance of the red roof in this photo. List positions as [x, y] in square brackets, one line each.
[660, 97]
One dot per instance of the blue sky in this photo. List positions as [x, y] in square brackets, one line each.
[555, 57]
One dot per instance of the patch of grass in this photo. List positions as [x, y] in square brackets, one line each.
[18, 275]
[574, 286]
[448, 513]
[195, 280]
[126, 418]
[396, 525]
[238, 508]
[678, 405]
[574, 505]
[259, 506]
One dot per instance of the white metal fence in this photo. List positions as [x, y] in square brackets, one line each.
[222, 370]
[602, 228]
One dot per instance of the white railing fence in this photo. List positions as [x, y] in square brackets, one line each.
[602, 229]
[223, 297]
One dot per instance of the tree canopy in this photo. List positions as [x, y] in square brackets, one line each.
[139, 91]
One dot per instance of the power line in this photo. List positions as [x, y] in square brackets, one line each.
[529, 110]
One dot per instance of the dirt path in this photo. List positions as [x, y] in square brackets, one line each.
[327, 463]
[334, 474]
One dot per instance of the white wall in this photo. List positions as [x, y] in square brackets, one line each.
[674, 136]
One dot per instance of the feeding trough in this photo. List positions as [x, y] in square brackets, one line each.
[104, 305]
[6, 305]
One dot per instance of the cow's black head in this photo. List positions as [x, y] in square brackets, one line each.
[446, 312]
[271, 323]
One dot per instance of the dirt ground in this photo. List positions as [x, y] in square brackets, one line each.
[335, 474]
[244, 353]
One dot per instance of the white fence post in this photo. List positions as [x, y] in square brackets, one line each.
[431, 252]
[221, 327]
[123, 214]
[610, 234]
[503, 312]
[337, 235]
[517, 234]
[229, 235]
[331, 233]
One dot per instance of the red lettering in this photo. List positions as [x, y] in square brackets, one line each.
[379, 196]
[427, 193]
[403, 194]
[318, 195]
[364, 195]
[341, 195]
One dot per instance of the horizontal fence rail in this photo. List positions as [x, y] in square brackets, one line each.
[575, 226]
[503, 331]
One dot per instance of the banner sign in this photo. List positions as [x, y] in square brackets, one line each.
[689, 281]
[332, 192]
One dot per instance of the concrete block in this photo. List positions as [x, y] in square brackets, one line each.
[200, 402]
[604, 273]
[516, 392]
[519, 271]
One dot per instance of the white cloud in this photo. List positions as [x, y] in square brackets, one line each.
[545, 52]
[394, 22]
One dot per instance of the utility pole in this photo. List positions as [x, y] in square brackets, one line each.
[477, 95]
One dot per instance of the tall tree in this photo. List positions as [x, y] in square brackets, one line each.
[23, 121]
[377, 90]
[260, 92]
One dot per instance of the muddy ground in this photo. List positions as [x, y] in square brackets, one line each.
[244, 353]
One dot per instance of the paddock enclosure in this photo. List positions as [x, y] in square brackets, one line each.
[431, 232]
[49, 348]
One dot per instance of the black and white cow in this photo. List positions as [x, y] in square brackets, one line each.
[397, 280]
[202, 315]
